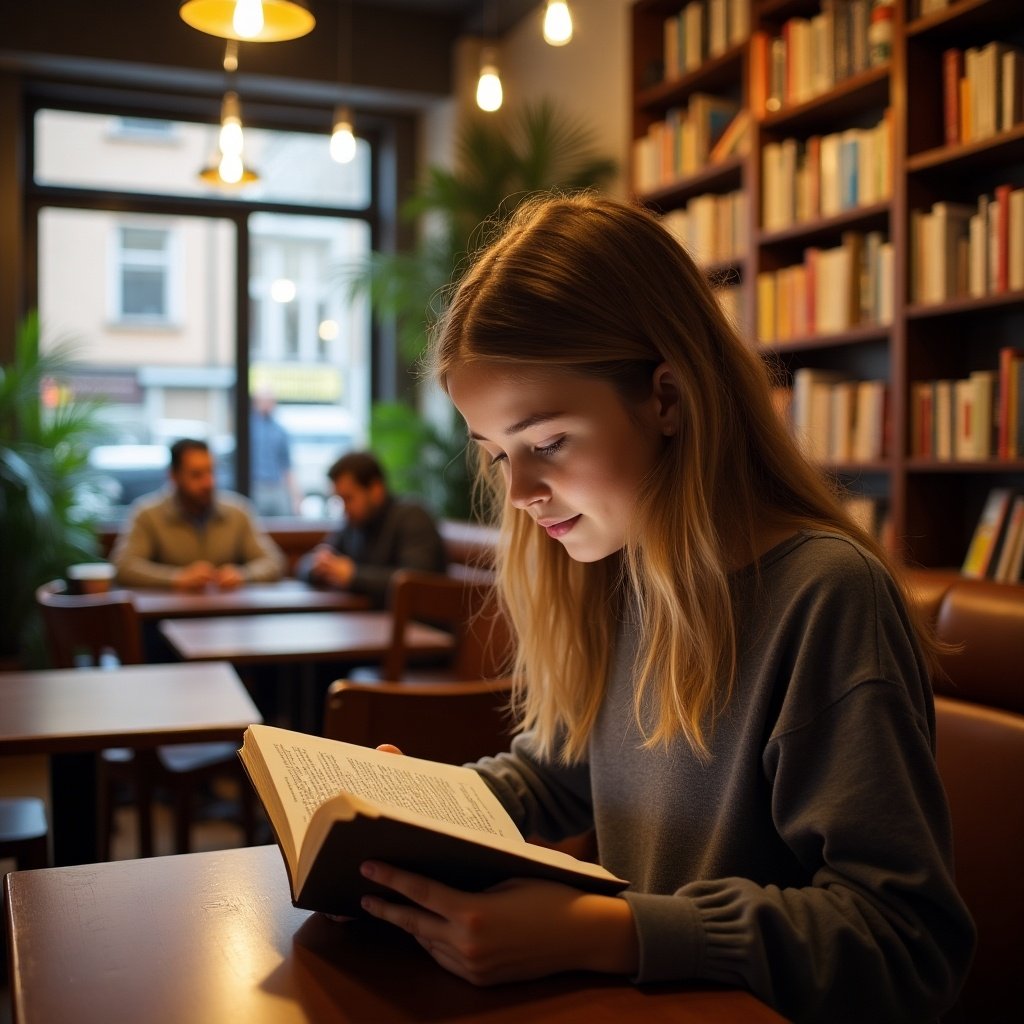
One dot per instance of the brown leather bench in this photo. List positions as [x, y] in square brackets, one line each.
[979, 710]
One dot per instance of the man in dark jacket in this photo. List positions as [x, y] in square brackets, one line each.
[380, 535]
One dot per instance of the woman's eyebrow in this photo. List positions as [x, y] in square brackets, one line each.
[524, 424]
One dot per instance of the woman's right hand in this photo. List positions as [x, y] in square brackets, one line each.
[388, 748]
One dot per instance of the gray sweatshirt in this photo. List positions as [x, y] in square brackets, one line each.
[810, 859]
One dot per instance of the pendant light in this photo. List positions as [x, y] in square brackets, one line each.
[228, 167]
[557, 23]
[343, 139]
[489, 93]
[256, 21]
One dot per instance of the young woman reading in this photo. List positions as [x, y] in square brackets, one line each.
[717, 670]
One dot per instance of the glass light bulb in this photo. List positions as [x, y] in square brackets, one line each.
[230, 168]
[557, 23]
[343, 142]
[247, 20]
[488, 89]
[231, 136]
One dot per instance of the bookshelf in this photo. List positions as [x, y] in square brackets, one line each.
[874, 96]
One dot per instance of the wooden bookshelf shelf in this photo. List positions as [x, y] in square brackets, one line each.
[848, 469]
[724, 177]
[864, 218]
[865, 91]
[989, 466]
[715, 75]
[931, 505]
[997, 300]
[995, 151]
[951, 22]
[854, 336]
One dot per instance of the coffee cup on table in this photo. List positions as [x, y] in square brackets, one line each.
[90, 578]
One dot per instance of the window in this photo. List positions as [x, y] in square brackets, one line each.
[162, 353]
[143, 275]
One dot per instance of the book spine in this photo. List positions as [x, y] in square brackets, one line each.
[952, 72]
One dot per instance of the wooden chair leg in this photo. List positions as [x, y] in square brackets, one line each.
[183, 799]
[145, 773]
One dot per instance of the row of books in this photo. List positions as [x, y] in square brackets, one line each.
[810, 56]
[958, 249]
[996, 551]
[983, 91]
[836, 419]
[833, 290]
[683, 142]
[701, 30]
[713, 228]
[972, 418]
[825, 175]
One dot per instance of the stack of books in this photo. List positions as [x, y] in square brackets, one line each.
[703, 29]
[982, 91]
[712, 228]
[996, 550]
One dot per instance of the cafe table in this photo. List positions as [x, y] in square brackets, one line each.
[289, 595]
[302, 638]
[72, 714]
[204, 938]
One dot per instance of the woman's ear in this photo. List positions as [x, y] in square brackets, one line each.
[667, 398]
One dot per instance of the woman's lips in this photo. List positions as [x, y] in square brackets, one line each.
[557, 530]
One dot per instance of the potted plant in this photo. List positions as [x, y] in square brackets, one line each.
[45, 485]
[501, 161]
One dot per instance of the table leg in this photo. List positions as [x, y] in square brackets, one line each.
[73, 803]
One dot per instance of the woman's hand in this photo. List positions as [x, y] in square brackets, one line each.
[518, 930]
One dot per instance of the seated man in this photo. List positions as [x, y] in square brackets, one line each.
[381, 534]
[188, 537]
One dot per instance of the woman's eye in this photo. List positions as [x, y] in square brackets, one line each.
[495, 459]
[550, 449]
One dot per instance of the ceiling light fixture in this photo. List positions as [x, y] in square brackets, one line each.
[489, 93]
[343, 138]
[557, 23]
[256, 21]
[228, 167]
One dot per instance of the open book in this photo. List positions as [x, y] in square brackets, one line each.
[333, 805]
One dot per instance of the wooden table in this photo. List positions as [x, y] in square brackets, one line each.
[315, 636]
[72, 714]
[301, 638]
[213, 937]
[252, 599]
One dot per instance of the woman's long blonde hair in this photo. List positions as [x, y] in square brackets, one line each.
[598, 287]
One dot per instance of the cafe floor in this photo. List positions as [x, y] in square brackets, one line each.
[27, 776]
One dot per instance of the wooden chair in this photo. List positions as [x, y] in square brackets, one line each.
[451, 722]
[466, 607]
[24, 838]
[90, 629]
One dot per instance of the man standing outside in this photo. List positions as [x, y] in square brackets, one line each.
[381, 534]
[273, 487]
[189, 537]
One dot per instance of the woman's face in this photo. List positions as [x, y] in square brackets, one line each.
[571, 452]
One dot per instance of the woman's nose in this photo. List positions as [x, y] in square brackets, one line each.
[525, 487]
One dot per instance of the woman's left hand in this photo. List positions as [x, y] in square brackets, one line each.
[518, 930]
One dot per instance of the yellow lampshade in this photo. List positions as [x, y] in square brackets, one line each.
[212, 176]
[281, 19]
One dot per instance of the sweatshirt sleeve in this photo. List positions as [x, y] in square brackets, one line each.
[134, 550]
[543, 799]
[881, 933]
[262, 561]
[418, 545]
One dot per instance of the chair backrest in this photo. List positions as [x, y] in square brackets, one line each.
[449, 722]
[89, 624]
[980, 754]
[467, 607]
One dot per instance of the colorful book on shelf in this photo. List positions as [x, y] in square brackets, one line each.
[1010, 559]
[987, 532]
[333, 805]
[733, 139]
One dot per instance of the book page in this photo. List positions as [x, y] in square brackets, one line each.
[309, 770]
